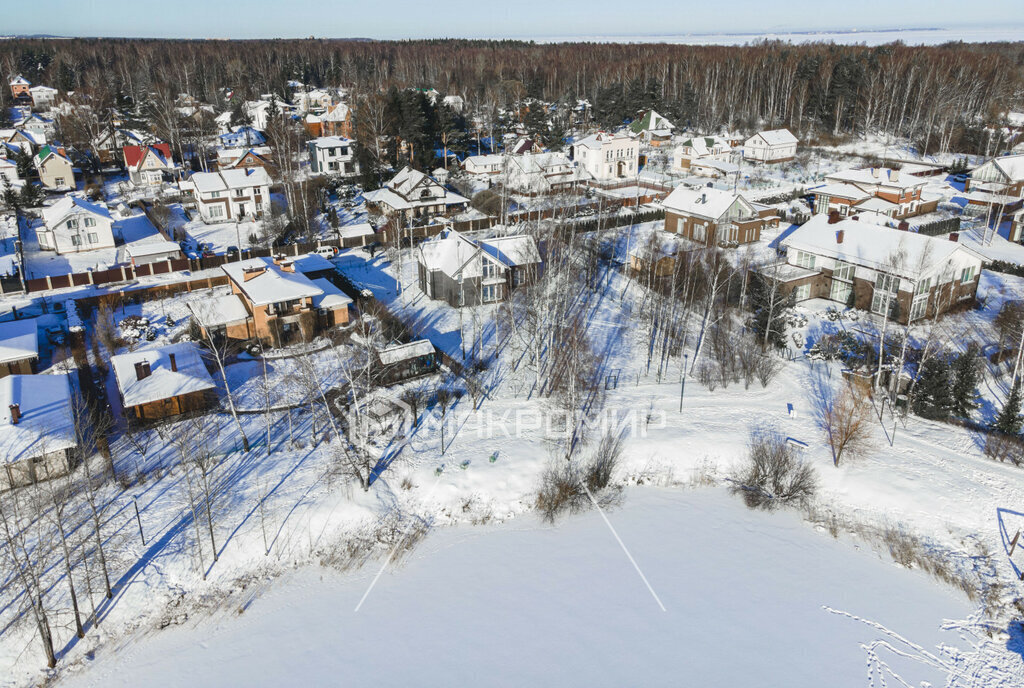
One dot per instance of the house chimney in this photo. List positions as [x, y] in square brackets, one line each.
[142, 370]
[840, 235]
[15, 413]
[894, 175]
[249, 273]
[174, 362]
[875, 172]
[954, 236]
[704, 198]
[833, 217]
[287, 266]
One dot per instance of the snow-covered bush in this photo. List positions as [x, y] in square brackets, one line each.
[773, 475]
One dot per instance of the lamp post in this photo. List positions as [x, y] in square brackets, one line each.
[682, 382]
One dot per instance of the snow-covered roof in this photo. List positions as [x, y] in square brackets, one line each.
[338, 113]
[18, 340]
[403, 352]
[705, 202]
[331, 141]
[360, 230]
[907, 254]
[651, 121]
[877, 175]
[777, 137]
[45, 424]
[876, 204]
[311, 262]
[513, 250]
[20, 81]
[242, 178]
[705, 145]
[722, 166]
[151, 248]
[162, 382]
[448, 253]
[218, 311]
[272, 285]
[332, 298]
[1010, 165]
[839, 190]
[596, 141]
[56, 213]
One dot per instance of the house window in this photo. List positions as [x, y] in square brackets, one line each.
[93, 238]
[490, 269]
[700, 233]
[72, 224]
[919, 307]
[841, 291]
[90, 222]
[215, 194]
[58, 181]
[967, 274]
[76, 240]
[805, 260]
[239, 192]
[216, 211]
[883, 301]
[490, 293]
[843, 271]
[802, 293]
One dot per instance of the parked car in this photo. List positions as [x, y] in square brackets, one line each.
[326, 251]
[961, 178]
[233, 252]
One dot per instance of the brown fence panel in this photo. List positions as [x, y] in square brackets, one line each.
[180, 264]
[38, 284]
[80, 279]
[60, 281]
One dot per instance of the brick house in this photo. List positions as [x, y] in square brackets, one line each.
[903, 191]
[21, 90]
[282, 304]
[163, 382]
[711, 217]
[879, 269]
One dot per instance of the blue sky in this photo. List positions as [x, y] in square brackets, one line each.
[481, 18]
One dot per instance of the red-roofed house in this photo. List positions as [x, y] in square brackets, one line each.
[146, 165]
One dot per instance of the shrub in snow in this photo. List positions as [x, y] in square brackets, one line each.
[773, 475]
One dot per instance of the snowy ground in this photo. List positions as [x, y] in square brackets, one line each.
[743, 593]
[136, 229]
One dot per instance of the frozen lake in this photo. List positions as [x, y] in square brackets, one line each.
[527, 604]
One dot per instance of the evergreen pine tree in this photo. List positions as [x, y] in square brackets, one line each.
[1009, 420]
[932, 397]
[965, 382]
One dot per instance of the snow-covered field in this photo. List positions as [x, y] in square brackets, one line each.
[528, 604]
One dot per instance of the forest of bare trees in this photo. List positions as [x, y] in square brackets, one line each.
[938, 95]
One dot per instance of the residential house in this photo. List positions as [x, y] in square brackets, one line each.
[9, 173]
[411, 194]
[700, 148]
[42, 128]
[147, 165]
[652, 128]
[337, 121]
[772, 146]
[109, 145]
[21, 90]
[714, 168]
[282, 303]
[541, 173]
[54, 167]
[902, 190]
[456, 103]
[907, 275]
[240, 158]
[317, 100]
[19, 347]
[242, 136]
[43, 97]
[16, 139]
[712, 217]
[73, 224]
[462, 272]
[524, 145]
[229, 194]
[37, 433]
[607, 157]
[484, 164]
[163, 382]
[1003, 176]
[332, 155]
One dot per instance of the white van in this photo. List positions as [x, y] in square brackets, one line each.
[326, 251]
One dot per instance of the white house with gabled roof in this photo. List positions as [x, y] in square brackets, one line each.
[774, 145]
[73, 224]
[37, 437]
[608, 157]
[229, 194]
[413, 194]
